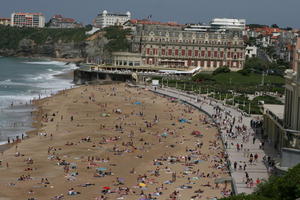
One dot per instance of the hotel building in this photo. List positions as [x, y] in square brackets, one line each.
[170, 45]
[106, 19]
[36, 20]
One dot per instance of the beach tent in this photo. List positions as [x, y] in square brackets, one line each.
[137, 103]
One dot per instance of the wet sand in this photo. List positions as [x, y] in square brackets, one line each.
[115, 142]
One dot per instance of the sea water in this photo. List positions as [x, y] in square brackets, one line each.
[22, 80]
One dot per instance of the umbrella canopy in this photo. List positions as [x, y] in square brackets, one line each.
[106, 188]
[196, 133]
[164, 134]
[137, 103]
[105, 115]
[182, 120]
[101, 169]
[142, 184]
[119, 110]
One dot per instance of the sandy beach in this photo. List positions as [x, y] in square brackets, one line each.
[115, 142]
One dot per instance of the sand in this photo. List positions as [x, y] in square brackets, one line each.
[132, 135]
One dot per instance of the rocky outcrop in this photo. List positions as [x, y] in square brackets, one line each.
[59, 49]
[28, 47]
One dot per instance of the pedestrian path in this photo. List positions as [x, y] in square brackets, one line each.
[257, 170]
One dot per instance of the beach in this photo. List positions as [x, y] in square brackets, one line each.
[115, 142]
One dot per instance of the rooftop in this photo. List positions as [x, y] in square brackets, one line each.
[148, 22]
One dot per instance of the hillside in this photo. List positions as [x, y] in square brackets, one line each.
[61, 43]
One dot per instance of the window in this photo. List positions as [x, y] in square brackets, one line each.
[215, 54]
[202, 53]
[163, 51]
[208, 54]
[202, 63]
[221, 54]
[176, 52]
[183, 52]
[189, 52]
[148, 51]
[170, 52]
[196, 53]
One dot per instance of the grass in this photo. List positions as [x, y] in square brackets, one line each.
[234, 78]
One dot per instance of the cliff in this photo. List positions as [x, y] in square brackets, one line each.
[61, 43]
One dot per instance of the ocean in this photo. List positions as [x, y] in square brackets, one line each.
[24, 79]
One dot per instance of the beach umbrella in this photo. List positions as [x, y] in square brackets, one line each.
[182, 120]
[137, 103]
[106, 188]
[196, 133]
[142, 184]
[119, 110]
[164, 134]
[101, 169]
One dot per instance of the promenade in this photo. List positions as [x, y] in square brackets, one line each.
[257, 169]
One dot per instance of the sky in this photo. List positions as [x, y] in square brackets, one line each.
[281, 12]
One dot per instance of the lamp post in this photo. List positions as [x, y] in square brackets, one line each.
[249, 108]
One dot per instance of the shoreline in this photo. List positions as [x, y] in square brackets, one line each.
[67, 75]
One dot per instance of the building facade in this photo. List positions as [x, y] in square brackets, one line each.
[106, 19]
[169, 45]
[36, 20]
[251, 51]
[224, 23]
[291, 155]
[5, 21]
[58, 21]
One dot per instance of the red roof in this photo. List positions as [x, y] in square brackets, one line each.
[62, 19]
[145, 21]
[267, 30]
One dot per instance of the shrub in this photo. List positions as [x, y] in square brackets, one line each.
[220, 70]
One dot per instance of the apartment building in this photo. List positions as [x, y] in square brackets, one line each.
[21, 19]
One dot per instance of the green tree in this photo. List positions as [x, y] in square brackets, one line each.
[117, 39]
[286, 187]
